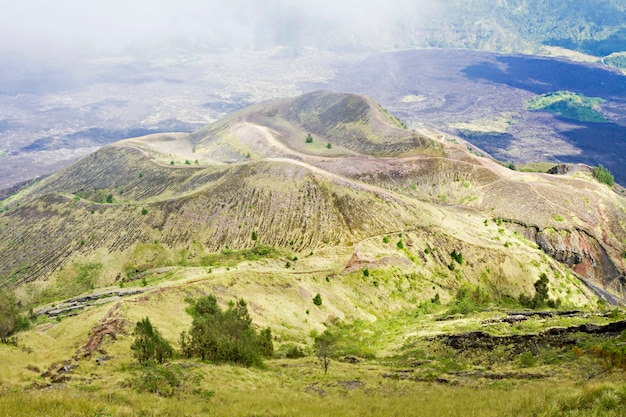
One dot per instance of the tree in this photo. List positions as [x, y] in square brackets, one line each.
[265, 340]
[149, 345]
[329, 145]
[11, 320]
[540, 299]
[254, 236]
[309, 138]
[325, 347]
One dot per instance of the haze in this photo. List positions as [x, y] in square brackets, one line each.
[44, 27]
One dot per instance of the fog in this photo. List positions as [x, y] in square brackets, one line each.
[44, 27]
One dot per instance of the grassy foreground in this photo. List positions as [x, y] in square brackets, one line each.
[288, 388]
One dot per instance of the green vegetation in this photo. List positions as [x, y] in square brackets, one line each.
[149, 346]
[540, 299]
[11, 318]
[309, 138]
[617, 60]
[603, 175]
[224, 336]
[457, 256]
[329, 145]
[317, 300]
[468, 300]
[569, 105]
[325, 348]
[144, 211]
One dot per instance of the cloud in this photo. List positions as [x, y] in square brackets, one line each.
[40, 25]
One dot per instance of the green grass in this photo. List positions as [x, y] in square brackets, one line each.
[569, 105]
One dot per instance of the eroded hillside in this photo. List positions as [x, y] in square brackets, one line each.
[321, 173]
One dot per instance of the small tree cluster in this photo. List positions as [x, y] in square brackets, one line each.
[603, 175]
[11, 319]
[224, 336]
[149, 345]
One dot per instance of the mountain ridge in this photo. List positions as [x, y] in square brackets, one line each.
[172, 200]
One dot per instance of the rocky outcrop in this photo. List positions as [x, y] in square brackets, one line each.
[580, 251]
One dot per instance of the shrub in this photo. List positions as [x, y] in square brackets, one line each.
[294, 352]
[144, 211]
[317, 300]
[400, 245]
[329, 145]
[309, 138]
[254, 236]
[457, 256]
[161, 380]
[366, 272]
[386, 240]
[468, 300]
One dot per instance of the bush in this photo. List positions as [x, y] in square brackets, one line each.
[468, 300]
[317, 300]
[603, 175]
[294, 352]
[158, 380]
[457, 256]
[309, 138]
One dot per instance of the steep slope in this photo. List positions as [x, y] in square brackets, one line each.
[364, 193]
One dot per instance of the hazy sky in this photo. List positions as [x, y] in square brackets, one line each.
[47, 25]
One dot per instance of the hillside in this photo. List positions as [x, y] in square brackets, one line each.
[254, 172]
[383, 225]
